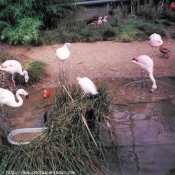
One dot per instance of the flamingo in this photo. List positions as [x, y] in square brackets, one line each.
[87, 85]
[63, 52]
[164, 50]
[8, 98]
[46, 94]
[146, 63]
[12, 67]
[155, 40]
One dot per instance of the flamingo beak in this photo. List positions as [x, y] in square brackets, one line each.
[27, 96]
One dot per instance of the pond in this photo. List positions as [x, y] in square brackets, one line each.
[145, 130]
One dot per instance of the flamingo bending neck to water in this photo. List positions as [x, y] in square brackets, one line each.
[146, 63]
[8, 98]
[12, 67]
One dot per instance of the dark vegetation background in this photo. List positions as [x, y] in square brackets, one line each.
[39, 22]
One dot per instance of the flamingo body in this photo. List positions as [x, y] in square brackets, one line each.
[8, 98]
[63, 52]
[46, 93]
[146, 63]
[13, 66]
[155, 40]
[87, 85]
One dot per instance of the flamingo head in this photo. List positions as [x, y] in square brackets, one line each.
[154, 87]
[67, 45]
[23, 92]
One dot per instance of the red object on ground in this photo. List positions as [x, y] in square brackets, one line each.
[46, 93]
[172, 6]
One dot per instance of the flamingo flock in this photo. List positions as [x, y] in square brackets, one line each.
[12, 66]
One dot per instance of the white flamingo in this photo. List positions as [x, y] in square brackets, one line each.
[155, 40]
[63, 52]
[87, 85]
[12, 67]
[146, 63]
[8, 98]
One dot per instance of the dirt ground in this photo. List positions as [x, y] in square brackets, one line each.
[99, 59]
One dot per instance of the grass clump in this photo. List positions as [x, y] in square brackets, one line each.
[36, 71]
[67, 143]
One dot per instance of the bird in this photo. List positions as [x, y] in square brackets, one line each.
[105, 19]
[99, 21]
[46, 93]
[172, 6]
[146, 63]
[63, 52]
[155, 40]
[8, 98]
[87, 85]
[12, 67]
[165, 51]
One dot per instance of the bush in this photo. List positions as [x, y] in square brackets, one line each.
[24, 33]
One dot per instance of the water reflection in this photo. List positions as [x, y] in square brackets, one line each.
[145, 127]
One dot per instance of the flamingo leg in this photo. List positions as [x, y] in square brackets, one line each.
[13, 80]
[143, 79]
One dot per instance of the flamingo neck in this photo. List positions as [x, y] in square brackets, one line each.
[19, 103]
[154, 86]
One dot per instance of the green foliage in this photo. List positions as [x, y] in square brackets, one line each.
[149, 12]
[150, 28]
[24, 33]
[20, 20]
[36, 71]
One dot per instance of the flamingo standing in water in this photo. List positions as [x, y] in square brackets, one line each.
[87, 85]
[146, 63]
[63, 53]
[8, 98]
[12, 67]
[155, 40]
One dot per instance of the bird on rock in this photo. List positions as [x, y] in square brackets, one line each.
[8, 98]
[155, 40]
[146, 63]
[164, 51]
[87, 85]
[63, 52]
[12, 67]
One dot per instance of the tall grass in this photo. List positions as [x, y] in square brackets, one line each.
[72, 140]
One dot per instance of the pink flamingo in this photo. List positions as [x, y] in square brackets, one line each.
[63, 53]
[8, 98]
[12, 67]
[155, 40]
[146, 63]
